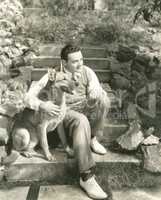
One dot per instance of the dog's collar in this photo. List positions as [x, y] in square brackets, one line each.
[52, 72]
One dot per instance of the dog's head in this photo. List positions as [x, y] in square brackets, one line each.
[63, 81]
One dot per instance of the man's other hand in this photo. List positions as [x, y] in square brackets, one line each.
[95, 93]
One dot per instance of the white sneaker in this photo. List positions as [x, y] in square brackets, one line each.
[97, 147]
[92, 188]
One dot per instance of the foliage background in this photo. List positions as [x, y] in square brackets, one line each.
[60, 23]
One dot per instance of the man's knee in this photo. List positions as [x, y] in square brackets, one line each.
[81, 120]
[75, 120]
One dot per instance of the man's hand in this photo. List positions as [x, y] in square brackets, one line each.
[95, 93]
[50, 108]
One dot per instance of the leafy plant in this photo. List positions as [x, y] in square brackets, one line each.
[84, 27]
[148, 9]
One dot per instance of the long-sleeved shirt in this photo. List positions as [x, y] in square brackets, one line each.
[88, 85]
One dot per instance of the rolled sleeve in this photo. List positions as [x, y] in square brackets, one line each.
[31, 98]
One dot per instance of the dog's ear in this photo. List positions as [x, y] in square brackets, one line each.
[51, 74]
[62, 65]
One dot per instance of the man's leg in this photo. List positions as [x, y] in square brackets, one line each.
[97, 114]
[79, 130]
[78, 127]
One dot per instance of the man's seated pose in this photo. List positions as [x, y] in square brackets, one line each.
[84, 119]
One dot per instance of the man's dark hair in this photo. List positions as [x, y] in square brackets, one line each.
[67, 49]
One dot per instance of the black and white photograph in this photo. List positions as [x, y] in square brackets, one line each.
[80, 99]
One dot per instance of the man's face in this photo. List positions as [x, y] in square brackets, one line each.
[75, 62]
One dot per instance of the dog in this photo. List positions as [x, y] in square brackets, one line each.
[11, 102]
[33, 126]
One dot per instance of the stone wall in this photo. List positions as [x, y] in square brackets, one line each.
[15, 53]
[14, 48]
[136, 75]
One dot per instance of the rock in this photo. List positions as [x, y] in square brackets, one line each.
[152, 157]
[122, 68]
[152, 30]
[18, 61]
[156, 75]
[5, 34]
[11, 10]
[157, 37]
[138, 80]
[151, 140]
[6, 61]
[125, 53]
[138, 29]
[6, 42]
[132, 138]
[142, 59]
[120, 82]
[111, 49]
[132, 111]
[12, 51]
[7, 25]
[101, 5]
[136, 66]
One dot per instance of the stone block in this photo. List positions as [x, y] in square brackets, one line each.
[88, 52]
[50, 61]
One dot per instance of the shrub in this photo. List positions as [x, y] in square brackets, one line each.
[84, 26]
[150, 11]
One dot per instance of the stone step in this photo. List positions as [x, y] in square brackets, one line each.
[63, 192]
[74, 192]
[14, 193]
[113, 131]
[33, 11]
[153, 193]
[103, 74]
[117, 170]
[50, 61]
[87, 51]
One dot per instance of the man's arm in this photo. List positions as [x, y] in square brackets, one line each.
[94, 89]
[32, 101]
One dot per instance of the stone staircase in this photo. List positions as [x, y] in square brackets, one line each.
[59, 180]
[49, 56]
[96, 58]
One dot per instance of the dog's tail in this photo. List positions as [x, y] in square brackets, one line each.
[11, 158]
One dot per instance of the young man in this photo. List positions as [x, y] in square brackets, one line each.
[85, 117]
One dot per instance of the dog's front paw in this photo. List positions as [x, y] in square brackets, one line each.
[50, 157]
[27, 154]
[69, 151]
